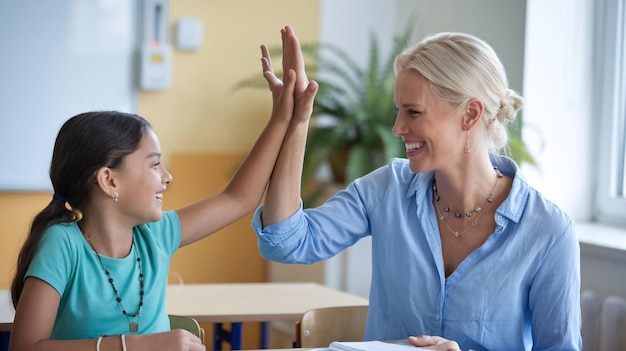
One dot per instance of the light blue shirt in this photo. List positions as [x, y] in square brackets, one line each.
[88, 307]
[519, 291]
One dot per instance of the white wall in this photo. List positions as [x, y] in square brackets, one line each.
[559, 104]
[558, 110]
[500, 22]
[70, 57]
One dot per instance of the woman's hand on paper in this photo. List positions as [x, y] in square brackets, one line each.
[434, 343]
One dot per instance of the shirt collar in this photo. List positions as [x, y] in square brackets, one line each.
[513, 205]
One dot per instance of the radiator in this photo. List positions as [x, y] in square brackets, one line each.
[603, 322]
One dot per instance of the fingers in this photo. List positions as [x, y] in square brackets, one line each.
[196, 343]
[177, 339]
[289, 84]
[434, 343]
[291, 50]
[284, 104]
[273, 82]
[268, 71]
[311, 90]
[266, 59]
[286, 49]
[293, 59]
[304, 104]
[419, 340]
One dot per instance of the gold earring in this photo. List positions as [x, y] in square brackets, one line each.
[467, 143]
[115, 196]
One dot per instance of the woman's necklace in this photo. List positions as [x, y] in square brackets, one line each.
[133, 326]
[477, 209]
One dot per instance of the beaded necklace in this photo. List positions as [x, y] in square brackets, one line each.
[478, 209]
[133, 326]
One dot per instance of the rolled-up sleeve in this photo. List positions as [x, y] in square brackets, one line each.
[275, 240]
[320, 233]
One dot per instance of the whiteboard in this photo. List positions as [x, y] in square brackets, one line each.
[59, 58]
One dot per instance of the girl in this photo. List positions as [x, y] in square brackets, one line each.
[93, 271]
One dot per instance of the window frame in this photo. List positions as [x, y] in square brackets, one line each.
[610, 83]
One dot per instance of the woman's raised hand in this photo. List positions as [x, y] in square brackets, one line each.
[292, 60]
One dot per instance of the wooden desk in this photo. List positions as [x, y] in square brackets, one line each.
[235, 304]
[251, 302]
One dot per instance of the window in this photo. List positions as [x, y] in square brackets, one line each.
[610, 73]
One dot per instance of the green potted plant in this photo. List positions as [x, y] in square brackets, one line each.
[359, 104]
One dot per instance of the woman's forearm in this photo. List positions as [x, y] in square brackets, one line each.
[283, 194]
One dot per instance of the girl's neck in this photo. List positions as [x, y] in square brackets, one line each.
[107, 239]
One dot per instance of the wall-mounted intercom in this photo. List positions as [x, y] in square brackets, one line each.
[156, 50]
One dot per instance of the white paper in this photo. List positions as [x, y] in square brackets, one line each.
[372, 346]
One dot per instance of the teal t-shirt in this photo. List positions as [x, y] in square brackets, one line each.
[88, 306]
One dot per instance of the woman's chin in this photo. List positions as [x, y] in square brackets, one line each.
[418, 167]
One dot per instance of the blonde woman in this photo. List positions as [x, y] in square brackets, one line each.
[466, 254]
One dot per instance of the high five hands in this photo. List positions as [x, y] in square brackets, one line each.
[304, 90]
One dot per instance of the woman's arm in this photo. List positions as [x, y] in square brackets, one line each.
[283, 195]
[246, 188]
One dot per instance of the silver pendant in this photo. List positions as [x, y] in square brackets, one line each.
[133, 327]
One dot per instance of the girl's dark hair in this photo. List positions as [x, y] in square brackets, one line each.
[85, 143]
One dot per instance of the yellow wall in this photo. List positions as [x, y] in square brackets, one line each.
[230, 255]
[17, 211]
[199, 114]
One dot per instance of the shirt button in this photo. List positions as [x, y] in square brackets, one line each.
[436, 317]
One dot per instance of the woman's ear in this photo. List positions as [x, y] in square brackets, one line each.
[105, 178]
[473, 113]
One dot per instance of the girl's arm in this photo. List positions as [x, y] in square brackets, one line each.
[36, 313]
[245, 190]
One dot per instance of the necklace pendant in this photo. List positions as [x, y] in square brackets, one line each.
[133, 327]
[456, 234]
